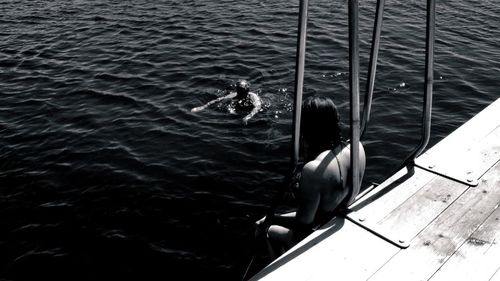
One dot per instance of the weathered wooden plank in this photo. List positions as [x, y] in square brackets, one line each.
[479, 135]
[354, 255]
[413, 215]
[488, 151]
[296, 263]
[339, 243]
[478, 258]
[436, 243]
[389, 195]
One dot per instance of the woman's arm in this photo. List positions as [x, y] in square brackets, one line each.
[309, 193]
[286, 220]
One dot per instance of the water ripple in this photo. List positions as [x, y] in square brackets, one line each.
[101, 156]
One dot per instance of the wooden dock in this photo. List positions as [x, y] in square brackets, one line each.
[437, 221]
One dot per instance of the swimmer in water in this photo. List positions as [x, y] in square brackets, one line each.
[241, 99]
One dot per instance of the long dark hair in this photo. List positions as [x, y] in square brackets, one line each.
[320, 126]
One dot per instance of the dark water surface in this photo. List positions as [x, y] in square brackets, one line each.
[105, 174]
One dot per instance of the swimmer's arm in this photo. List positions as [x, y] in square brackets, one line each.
[257, 104]
[199, 108]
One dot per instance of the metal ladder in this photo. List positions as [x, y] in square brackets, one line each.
[357, 129]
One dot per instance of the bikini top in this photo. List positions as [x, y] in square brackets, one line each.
[338, 163]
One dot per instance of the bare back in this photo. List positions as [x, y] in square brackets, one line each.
[325, 182]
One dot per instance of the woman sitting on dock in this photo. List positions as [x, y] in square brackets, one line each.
[324, 182]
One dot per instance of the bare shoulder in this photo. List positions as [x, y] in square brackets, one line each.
[311, 169]
[254, 96]
[362, 156]
[310, 166]
[347, 149]
[324, 166]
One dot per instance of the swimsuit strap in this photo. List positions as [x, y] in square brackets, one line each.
[338, 164]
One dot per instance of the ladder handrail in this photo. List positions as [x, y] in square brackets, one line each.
[354, 97]
[372, 67]
[428, 84]
[299, 79]
[299, 84]
[429, 79]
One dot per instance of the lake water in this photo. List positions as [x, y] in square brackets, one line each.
[105, 174]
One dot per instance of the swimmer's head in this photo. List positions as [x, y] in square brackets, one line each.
[242, 88]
